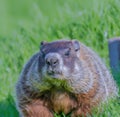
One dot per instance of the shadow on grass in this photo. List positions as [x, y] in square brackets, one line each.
[7, 107]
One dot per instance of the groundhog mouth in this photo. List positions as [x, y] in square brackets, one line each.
[55, 75]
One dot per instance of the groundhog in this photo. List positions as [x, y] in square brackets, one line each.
[69, 60]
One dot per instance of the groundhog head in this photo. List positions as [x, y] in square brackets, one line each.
[61, 58]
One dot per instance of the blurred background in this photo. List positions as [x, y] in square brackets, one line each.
[24, 23]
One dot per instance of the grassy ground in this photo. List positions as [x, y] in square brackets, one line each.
[24, 23]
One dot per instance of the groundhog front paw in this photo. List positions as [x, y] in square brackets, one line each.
[37, 111]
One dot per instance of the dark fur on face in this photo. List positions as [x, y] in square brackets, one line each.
[58, 45]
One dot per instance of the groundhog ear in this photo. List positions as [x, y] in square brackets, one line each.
[76, 45]
[43, 43]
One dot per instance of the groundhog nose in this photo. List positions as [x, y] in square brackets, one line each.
[52, 61]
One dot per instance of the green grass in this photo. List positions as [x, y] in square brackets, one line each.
[24, 23]
[49, 84]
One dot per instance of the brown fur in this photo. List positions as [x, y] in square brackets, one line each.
[62, 102]
[37, 109]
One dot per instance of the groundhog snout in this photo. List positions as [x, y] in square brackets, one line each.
[53, 62]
